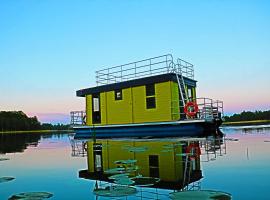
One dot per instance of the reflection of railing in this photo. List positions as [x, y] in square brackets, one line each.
[144, 68]
[212, 148]
[207, 109]
[77, 117]
[78, 147]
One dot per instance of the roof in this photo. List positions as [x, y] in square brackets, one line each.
[133, 83]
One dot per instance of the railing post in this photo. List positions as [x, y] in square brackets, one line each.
[121, 72]
[135, 69]
[150, 67]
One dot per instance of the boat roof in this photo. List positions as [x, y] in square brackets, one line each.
[133, 83]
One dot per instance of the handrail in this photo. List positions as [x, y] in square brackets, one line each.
[143, 68]
[208, 108]
[77, 117]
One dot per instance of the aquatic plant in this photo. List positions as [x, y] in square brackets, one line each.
[201, 195]
[31, 196]
[6, 179]
[115, 191]
[4, 159]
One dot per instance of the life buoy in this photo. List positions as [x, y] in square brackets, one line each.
[196, 150]
[188, 111]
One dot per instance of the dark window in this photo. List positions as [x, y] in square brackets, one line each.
[153, 166]
[150, 102]
[118, 95]
[153, 161]
[150, 90]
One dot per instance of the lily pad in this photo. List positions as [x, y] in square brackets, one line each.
[31, 196]
[145, 181]
[201, 195]
[115, 191]
[118, 176]
[129, 161]
[117, 170]
[6, 179]
[124, 181]
[4, 159]
[137, 149]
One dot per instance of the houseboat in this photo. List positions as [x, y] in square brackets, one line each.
[154, 97]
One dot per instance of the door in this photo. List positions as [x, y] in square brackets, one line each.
[96, 114]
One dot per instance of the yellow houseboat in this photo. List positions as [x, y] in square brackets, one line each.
[155, 97]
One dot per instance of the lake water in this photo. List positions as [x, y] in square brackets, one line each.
[239, 164]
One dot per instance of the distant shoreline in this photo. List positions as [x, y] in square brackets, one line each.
[246, 123]
[35, 131]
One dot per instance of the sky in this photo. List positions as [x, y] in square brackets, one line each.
[51, 48]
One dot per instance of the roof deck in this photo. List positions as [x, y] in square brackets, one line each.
[144, 68]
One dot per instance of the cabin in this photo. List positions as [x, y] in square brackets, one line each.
[149, 99]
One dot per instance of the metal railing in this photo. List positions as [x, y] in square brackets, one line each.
[144, 68]
[186, 68]
[208, 109]
[77, 117]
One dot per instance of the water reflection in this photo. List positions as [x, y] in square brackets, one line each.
[18, 142]
[119, 166]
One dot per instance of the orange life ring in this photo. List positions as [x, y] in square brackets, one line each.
[193, 105]
[196, 148]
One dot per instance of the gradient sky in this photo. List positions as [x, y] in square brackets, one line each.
[49, 49]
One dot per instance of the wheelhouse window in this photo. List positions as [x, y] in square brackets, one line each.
[118, 95]
[150, 96]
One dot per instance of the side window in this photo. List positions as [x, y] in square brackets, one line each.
[190, 93]
[150, 96]
[118, 95]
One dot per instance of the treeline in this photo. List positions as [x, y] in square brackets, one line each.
[249, 116]
[19, 121]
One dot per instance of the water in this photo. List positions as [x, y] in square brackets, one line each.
[44, 163]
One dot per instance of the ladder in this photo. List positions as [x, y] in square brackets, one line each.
[181, 86]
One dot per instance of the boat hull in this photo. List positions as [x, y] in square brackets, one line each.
[158, 130]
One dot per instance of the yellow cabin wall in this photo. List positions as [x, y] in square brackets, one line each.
[162, 112]
[132, 107]
[175, 101]
[88, 109]
[119, 111]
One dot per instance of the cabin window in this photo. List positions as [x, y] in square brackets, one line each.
[150, 96]
[150, 90]
[118, 95]
[150, 102]
[153, 166]
[190, 93]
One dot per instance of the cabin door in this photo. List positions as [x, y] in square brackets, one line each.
[96, 114]
[97, 149]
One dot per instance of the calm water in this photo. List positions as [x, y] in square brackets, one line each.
[240, 166]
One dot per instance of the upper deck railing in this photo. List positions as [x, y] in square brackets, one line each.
[144, 68]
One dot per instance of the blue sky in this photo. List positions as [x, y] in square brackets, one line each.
[49, 49]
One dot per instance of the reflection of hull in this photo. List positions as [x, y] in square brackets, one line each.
[172, 185]
[190, 128]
